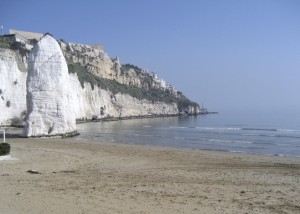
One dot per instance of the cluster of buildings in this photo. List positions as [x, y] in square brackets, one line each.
[167, 87]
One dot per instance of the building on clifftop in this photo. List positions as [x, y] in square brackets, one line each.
[29, 39]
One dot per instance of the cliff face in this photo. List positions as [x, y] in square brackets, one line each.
[96, 60]
[101, 87]
[13, 73]
[100, 64]
[98, 103]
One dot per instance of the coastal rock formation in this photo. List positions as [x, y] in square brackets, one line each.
[101, 87]
[49, 109]
[13, 73]
[98, 103]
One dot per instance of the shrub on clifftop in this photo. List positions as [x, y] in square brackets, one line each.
[4, 149]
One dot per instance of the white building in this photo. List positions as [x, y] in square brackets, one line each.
[26, 38]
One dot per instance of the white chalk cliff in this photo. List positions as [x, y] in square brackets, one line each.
[52, 108]
[49, 108]
[13, 73]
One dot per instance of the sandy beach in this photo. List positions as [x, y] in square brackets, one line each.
[72, 177]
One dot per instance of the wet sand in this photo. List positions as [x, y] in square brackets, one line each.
[75, 177]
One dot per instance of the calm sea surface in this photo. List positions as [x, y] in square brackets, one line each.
[257, 133]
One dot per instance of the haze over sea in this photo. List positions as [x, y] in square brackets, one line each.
[265, 133]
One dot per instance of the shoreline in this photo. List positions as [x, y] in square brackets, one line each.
[15, 135]
[108, 119]
[86, 177]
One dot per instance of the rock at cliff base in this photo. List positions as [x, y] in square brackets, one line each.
[49, 112]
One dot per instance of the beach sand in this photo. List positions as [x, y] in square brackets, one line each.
[82, 177]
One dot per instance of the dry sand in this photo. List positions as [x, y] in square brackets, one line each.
[109, 178]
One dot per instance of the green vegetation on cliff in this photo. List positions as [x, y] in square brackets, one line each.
[126, 67]
[5, 42]
[184, 103]
[153, 94]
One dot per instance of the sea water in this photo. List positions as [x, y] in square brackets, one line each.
[244, 132]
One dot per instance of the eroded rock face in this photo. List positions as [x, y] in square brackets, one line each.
[49, 111]
[13, 73]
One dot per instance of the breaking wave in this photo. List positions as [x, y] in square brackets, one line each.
[247, 129]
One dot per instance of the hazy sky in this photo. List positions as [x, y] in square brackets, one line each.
[226, 54]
